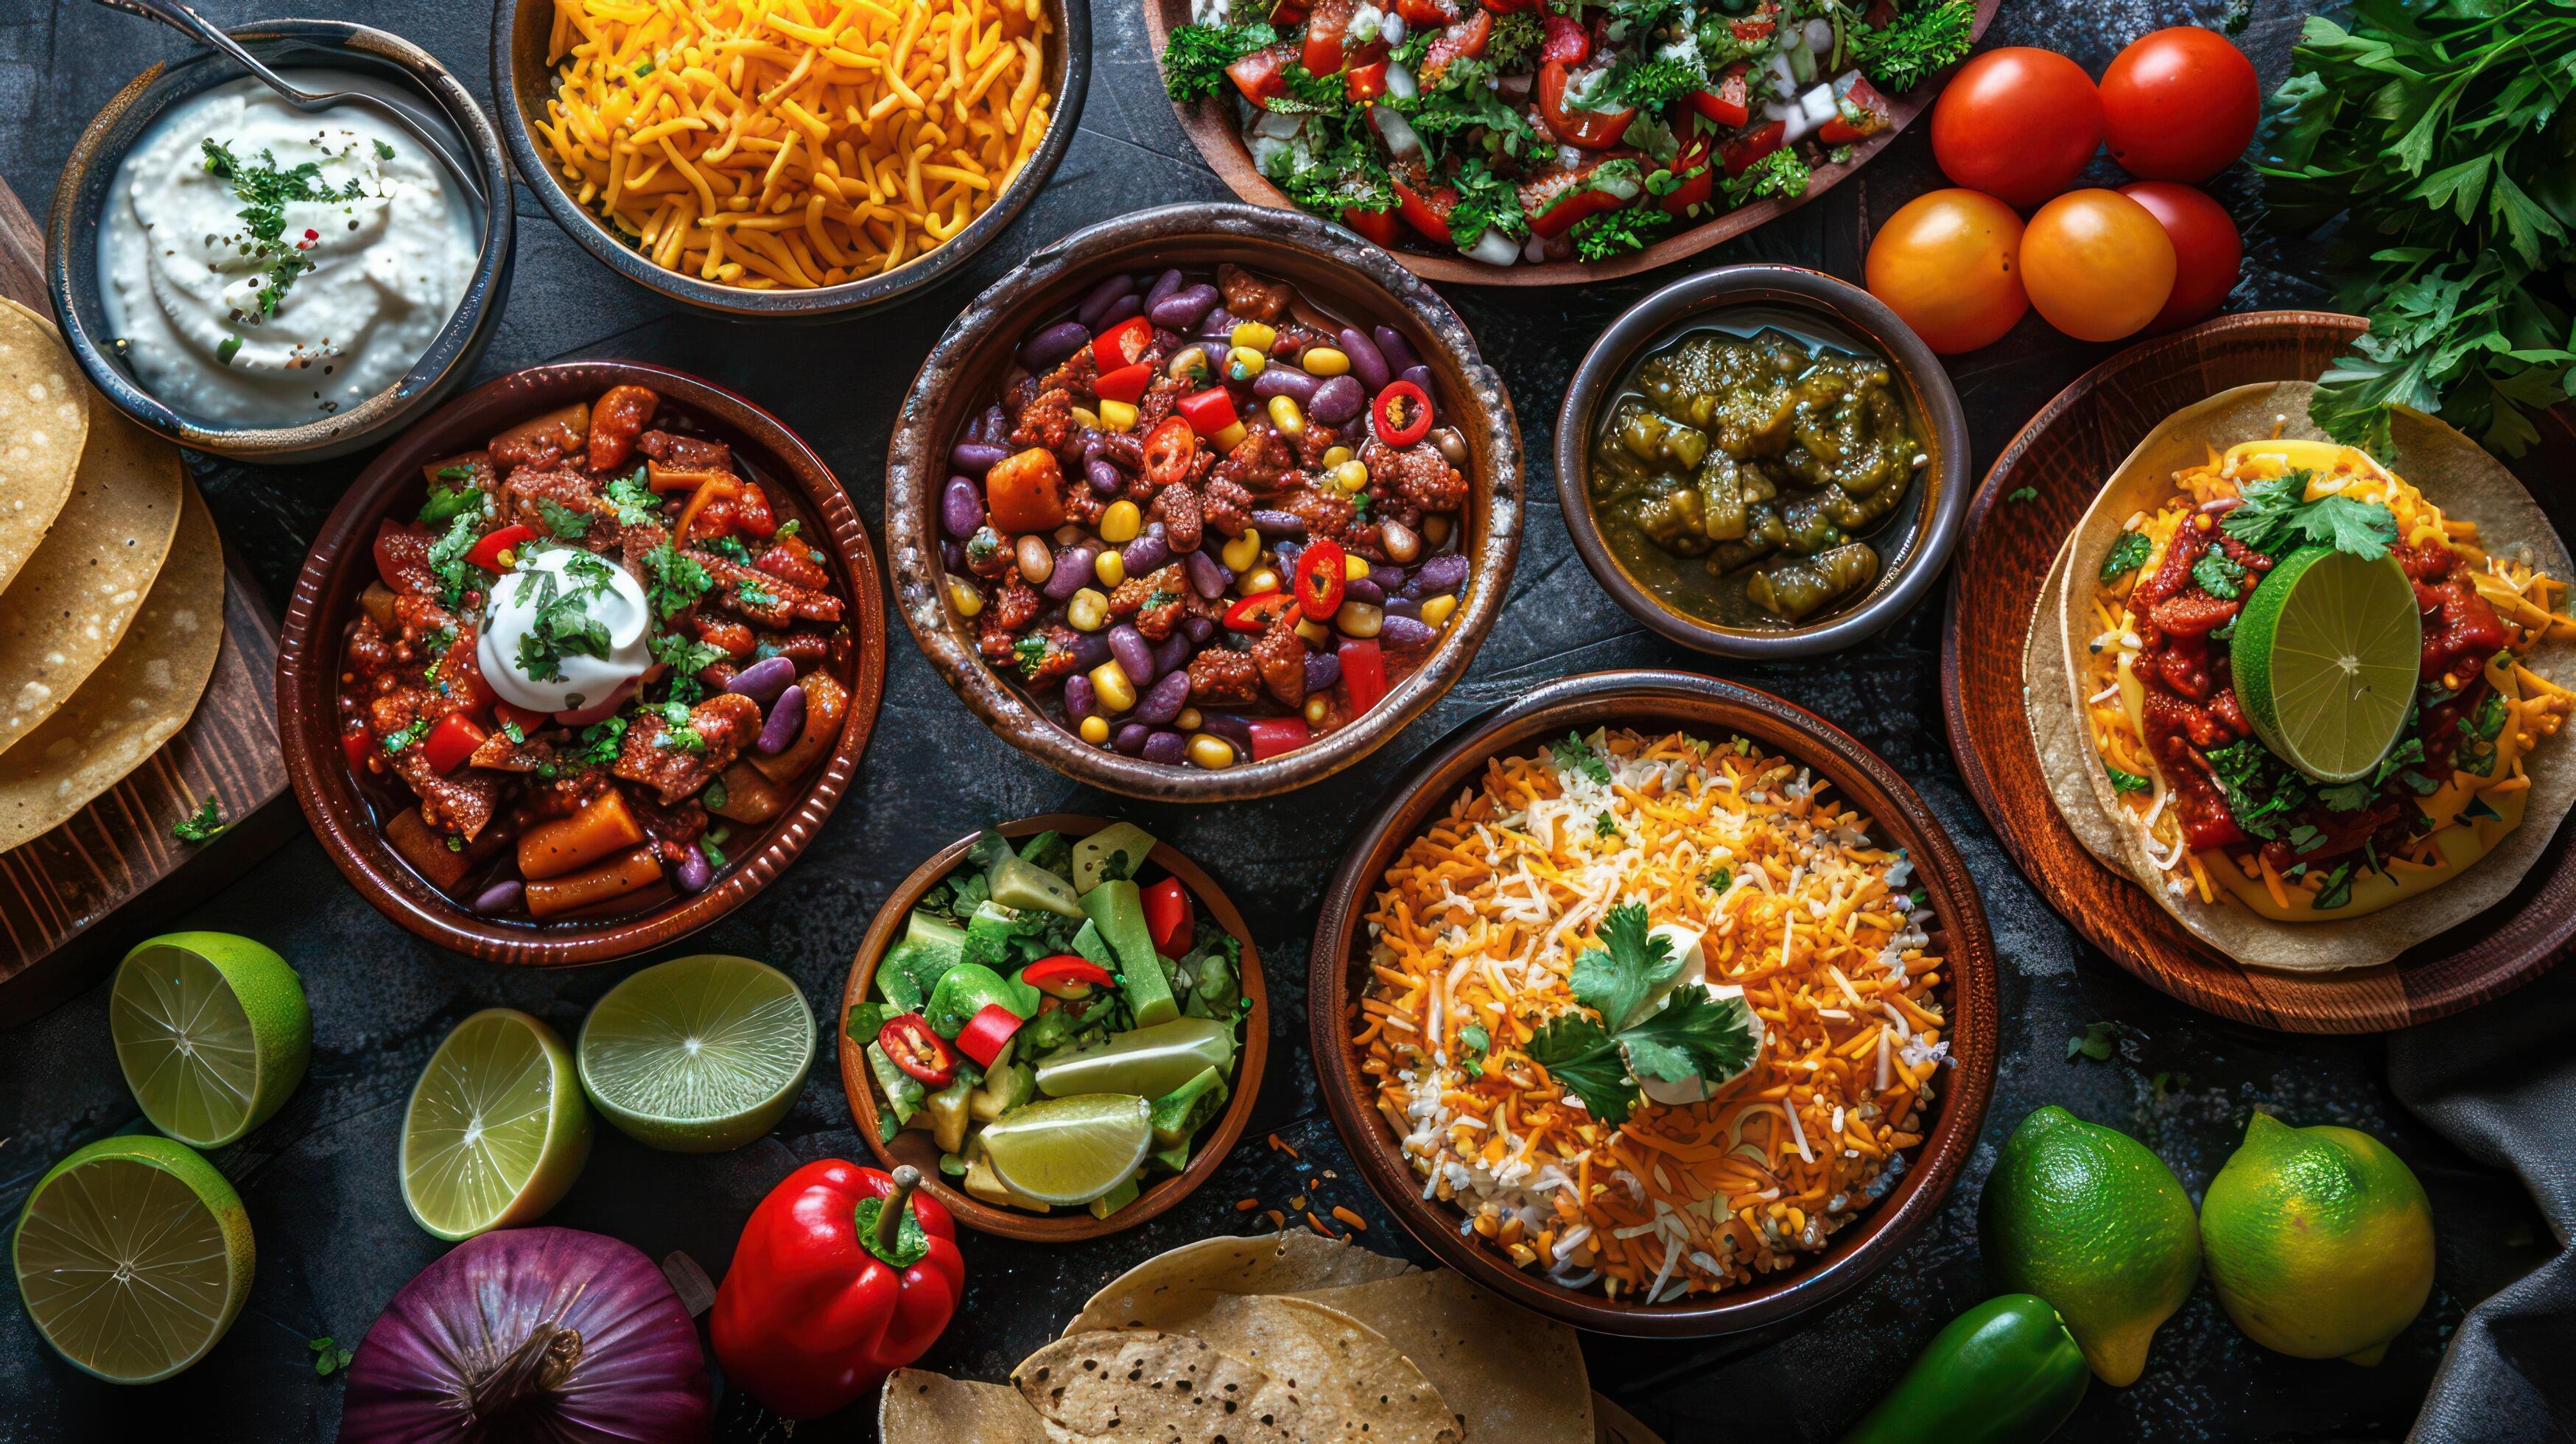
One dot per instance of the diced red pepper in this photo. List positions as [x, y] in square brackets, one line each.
[1426, 211]
[1378, 226]
[1127, 383]
[1363, 673]
[496, 550]
[452, 741]
[1322, 573]
[1403, 414]
[1507, 7]
[908, 1040]
[357, 746]
[1258, 74]
[1740, 152]
[402, 557]
[1698, 178]
[1859, 110]
[1364, 83]
[1726, 101]
[1326, 23]
[1557, 219]
[987, 1034]
[1589, 129]
[1123, 344]
[1567, 40]
[1069, 976]
[510, 714]
[1169, 918]
[1418, 13]
[1208, 412]
[1272, 736]
[1255, 613]
[1464, 40]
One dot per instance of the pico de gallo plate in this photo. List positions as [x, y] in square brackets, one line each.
[1531, 131]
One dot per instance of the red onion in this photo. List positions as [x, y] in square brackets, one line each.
[544, 1335]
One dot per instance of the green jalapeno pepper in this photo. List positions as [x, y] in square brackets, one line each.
[2004, 1372]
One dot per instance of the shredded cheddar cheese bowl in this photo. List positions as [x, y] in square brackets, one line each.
[788, 157]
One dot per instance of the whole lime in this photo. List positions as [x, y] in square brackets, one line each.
[2320, 1241]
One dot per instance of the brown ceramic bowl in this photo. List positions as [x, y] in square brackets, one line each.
[342, 563]
[523, 81]
[1341, 273]
[1707, 706]
[1912, 546]
[1065, 1225]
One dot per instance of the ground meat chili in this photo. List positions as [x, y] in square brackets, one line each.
[614, 803]
[1204, 521]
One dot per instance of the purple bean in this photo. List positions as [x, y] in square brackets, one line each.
[1135, 655]
[1096, 304]
[1090, 651]
[1185, 308]
[1054, 344]
[1279, 523]
[500, 897]
[1405, 634]
[961, 507]
[1079, 700]
[1367, 362]
[1443, 573]
[1172, 654]
[1165, 699]
[1209, 575]
[694, 872]
[763, 680]
[1366, 591]
[1198, 629]
[975, 457]
[1147, 552]
[1403, 607]
[1282, 379]
[992, 428]
[1165, 747]
[952, 555]
[1131, 738]
[1390, 580]
[1120, 309]
[1104, 476]
[1397, 351]
[1323, 669]
[1421, 376]
[1338, 402]
[1072, 572]
[1286, 553]
[1217, 324]
[1166, 286]
[1233, 727]
[786, 719]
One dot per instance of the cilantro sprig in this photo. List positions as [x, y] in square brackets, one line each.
[2276, 518]
[1691, 1035]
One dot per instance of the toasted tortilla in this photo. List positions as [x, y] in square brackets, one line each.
[1354, 1381]
[69, 606]
[2057, 731]
[1170, 1290]
[2454, 473]
[920, 1407]
[1137, 1383]
[1509, 1373]
[46, 418]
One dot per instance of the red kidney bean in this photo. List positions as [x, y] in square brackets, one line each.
[975, 457]
[1442, 573]
[1130, 739]
[1054, 344]
[1405, 634]
[1233, 727]
[763, 680]
[1135, 655]
[1278, 523]
[1165, 747]
[1096, 304]
[786, 720]
[1365, 591]
[1103, 475]
[1173, 653]
[1072, 571]
[1184, 308]
[1397, 351]
[1281, 379]
[1165, 286]
[1080, 700]
[1338, 402]
[993, 428]
[1120, 309]
[961, 508]
[1209, 575]
[1090, 652]
[1323, 669]
[1165, 699]
[1198, 629]
[1148, 551]
[1367, 362]
[500, 897]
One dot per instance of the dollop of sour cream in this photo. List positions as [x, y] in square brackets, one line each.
[246, 289]
[538, 649]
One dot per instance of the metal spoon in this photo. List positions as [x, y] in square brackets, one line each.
[183, 17]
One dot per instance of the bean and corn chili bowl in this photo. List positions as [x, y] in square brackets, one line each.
[1326, 393]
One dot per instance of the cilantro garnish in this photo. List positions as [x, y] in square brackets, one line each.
[1195, 57]
[2096, 1043]
[1781, 173]
[679, 729]
[265, 192]
[396, 742]
[2127, 781]
[326, 1351]
[562, 522]
[2399, 757]
[686, 659]
[2338, 889]
[730, 548]
[563, 625]
[1575, 755]
[674, 579]
[2261, 789]
[1031, 652]
[635, 502]
[1910, 47]
[1631, 963]
[446, 503]
[2126, 555]
[602, 741]
[1473, 1043]
[447, 556]
[1717, 879]
[2275, 517]
[2220, 575]
[1610, 233]
[753, 594]
[1605, 825]
[201, 825]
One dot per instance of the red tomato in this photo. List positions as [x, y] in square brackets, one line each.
[1948, 263]
[1425, 210]
[1378, 226]
[1364, 83]
[1567, 39]
[2207, 250]
[2179, 104]
[1466, 39]
[1698, 177]
[1741, 151]
[1169, 917]
[2097, 265]
[1425, 12]
[402, 557]
[1724, 101]
[1590, 129]
[2018, 123]
[1258, 75]
[1325, 24]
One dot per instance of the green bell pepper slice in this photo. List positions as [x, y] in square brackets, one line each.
[2004, 1372]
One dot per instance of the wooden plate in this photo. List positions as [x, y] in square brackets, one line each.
[1068, 1225]
[2058, 463]
[1210, 125]
[1706, 706]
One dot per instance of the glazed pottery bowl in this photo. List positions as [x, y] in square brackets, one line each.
[342, 563]
[523, 80]
[1343, 275]
[1067, 1225]
[1712, 709]
[72, 271]
[1912, 549]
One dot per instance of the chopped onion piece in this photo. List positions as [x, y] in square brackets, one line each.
[1493, 248]
[1818, 104]
[1402, 142]
[1399, 81]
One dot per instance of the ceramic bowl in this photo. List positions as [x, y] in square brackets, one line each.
[342, 563]
[1065, 1225]
[523, 80]
[82, 196]
[1345, 275]
[1747, 297]
[1706, 707]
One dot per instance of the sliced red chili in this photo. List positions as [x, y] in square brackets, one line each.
[1127, 383]
[1069, 976]
[1123, 344]
[1255, 613]
[495, 552]
[1403, 414]
[987, 1034]
[907, 1039]
[1321, 575]
[452, 741]
[1208, 412]
[1169, 449]
[1363, 672]
[1274, 735]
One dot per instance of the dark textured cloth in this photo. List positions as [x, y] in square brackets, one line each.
[2500, 1081]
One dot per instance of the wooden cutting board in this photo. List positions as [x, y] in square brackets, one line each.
[74, 899]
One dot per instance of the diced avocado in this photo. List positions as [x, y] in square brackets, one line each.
[1115, 1199]
[1049, 850]
[1149, 1062]
[947, 1109]
[982, 1182]
[1091, 945]
[1169, 1160]
[952, 1165]
[1181, 1113]
[1113, 854]
[965, 990]
[1005, 1088]
[1016, 882]
[1046, 1032]
[1118, 909]
[929, 947]
[902, 1090]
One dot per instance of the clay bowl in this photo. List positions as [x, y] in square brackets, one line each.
[1211, 126]
[1706, 707]
[523, 81]
[1339, 272]
[1066, 1225]
[82, 196]
[1912, 546]
[342, 562]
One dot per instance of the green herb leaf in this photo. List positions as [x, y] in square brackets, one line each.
[1575, 755]
[2127, 554]
[2097, 1042]
[1580, 1054]
[2127, 781]
[2275, 518]
[673, 580]
[201, 825]
[1195, 57]
[2219, 574]
[2261, 789]
[1911, 47]
[1611, 233]
[1615, 978]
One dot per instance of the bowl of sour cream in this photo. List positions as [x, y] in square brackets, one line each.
[250, 280]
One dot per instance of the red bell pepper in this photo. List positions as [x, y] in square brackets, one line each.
[1274, 735]
[1364, 83]
[1322, 573]
[1066, 975]
[1378, 226]
[1121, 345]
[1588, 129]
[1170, 447]
[1698, 178]
[1254, 614]
[1363, 672]
[452, 741]
[497, 550]
[1726, 101]
[917, 1049]
[357, 744]
[1403, 414]
[1506, 7]
[1127, 383]
[987, 1034]
[1259, 74]
[1326, 23]
[1426, 209]
[1567, 40]
[1208, 412]
[402, 557]
[1740, 152]
[1169, 918]
[1859, 110]
[843, 1275]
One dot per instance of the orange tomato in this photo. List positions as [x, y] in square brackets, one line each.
[2098, 265]
[1947, 264]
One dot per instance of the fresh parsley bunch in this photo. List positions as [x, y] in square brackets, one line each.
[1693, 1034]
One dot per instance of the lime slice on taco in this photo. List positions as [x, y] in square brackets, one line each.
[2326, 655]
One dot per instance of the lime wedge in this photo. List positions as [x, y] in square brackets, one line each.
[212, 1032]
[1070, 1150]
[698, 1055]
[496, 1132]
[2326, 654]
[133, 1256]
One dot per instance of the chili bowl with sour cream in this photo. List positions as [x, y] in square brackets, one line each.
[481, 689]
[254, 282]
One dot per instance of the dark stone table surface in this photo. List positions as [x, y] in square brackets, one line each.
[319, 1178]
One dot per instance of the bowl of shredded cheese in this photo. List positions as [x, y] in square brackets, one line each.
[1656, 1004]
[788, 158]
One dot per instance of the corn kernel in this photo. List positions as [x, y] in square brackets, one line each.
[1285, 415]
[1315, 632]
[1351, 476]
[1240, 553]
[963, 596]
[1110, 567]
[1335, 456]
[1243, 363]
[1259, 580]
[1188, 720]
[1436, 610]
[1211, 751]
[1109, 683]
[1117, 416]
[1324, 361]
[1095, 730]
[1255, 336]
[1354, 567]
[1083, 416]
[1318, 708]
[1359, 619]
[1087, 610]
[1230, 438]
[1120, 522]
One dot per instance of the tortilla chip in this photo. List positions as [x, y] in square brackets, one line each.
[1171, 1288]
[920, 1407]
[70, 605]
[1510, 1373]
[2454, 473]
[138, 698]
[48, 420]
[1136, 1383]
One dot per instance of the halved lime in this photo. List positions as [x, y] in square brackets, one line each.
[1070, 1150]
[2326, 654]
[212, 1032]
[133, 1256]
[496, 1132]
[698, 1055]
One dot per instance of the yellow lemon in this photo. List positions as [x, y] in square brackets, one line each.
[2320, 1241]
